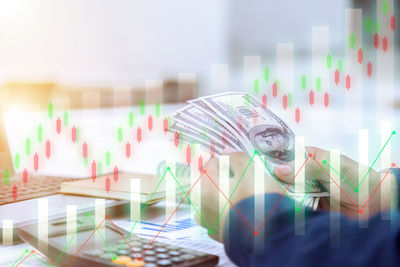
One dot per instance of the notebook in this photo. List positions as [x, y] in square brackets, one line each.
[120, 189]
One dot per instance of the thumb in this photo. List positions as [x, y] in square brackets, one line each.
[286, 172]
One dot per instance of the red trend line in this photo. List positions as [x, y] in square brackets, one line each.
[201, 175]
[27, 256]
[233, 206]
[282, 194]
[240, 214]
[393, 165]
[366, 203]
[35, 252]
[355, 205]
[126, 241]
[85, 242]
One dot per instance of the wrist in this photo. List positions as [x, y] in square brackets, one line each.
[394, 189]
[395, 182]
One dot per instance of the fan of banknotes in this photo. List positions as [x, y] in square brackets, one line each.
[236, 121]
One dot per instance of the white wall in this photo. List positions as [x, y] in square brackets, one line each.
[255, 27]
[112, 42]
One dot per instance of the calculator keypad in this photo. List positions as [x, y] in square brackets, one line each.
[158, 254]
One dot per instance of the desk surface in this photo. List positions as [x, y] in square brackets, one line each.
[99, 126]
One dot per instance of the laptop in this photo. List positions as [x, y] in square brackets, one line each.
[19, 195]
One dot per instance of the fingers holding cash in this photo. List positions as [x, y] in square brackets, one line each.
[237, 121]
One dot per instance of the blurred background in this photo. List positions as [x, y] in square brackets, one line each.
[74, 45]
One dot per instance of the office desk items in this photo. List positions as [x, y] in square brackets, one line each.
[152, 187]
[104, 244]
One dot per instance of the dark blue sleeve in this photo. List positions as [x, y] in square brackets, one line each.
[377, 245]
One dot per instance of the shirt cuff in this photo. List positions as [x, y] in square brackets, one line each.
[396, 173]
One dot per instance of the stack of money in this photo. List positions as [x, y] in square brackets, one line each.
[237, 121]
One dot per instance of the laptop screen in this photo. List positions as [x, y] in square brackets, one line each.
[5, 156]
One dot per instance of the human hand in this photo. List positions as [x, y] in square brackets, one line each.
[241, 186]
[348, 201]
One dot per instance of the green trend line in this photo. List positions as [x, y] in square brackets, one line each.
[168, 170]
[23, 254]
[40, 259]
[145, 207]
[191, 203]
[341, 176]
[379, 154]
[234, 189]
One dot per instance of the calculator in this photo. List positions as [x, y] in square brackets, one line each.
[108, 245]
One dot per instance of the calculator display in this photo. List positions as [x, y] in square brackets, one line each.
[80, 238]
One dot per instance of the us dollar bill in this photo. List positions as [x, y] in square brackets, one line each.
[206, 139]
[202, 121]
[259, 129]
[237, 121]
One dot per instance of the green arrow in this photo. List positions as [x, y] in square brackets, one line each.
[303, 82]
[142, 107]
[17, 160]
[384, 7]
[131, 119]
[28, 146]
[352, 40]
[328, 61]
[99, 168]
[50, 110]
[40, 133]
[266, 75]
[289, 99]
[340, 65]
[256, 86]
[377, 27]
[108, 158]
[318, 84]
[77, 135]
[6, 177]
[157, 110]
[120, 134]
[66, 118]
[368, 25]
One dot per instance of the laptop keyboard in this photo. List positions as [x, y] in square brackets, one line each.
[35, 187]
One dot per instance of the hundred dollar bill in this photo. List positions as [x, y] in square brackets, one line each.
[205, 135]
[201, 121]
[258, 129]
[187, 133]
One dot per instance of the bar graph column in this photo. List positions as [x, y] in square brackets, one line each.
[299, 183]
[363, 191]
[353, 70]
[100, 213]
[170, 198]
[259, 203]
[186, 86]
[320, 78]
[154, 91]
[71, 228]
[195, 194]
[386, 162]
[285, 68]
[8, 232]
[385, 59]
[135, 199]
[224, 186]
[43, 224]
[252, 72]
[122, 96]
[219, 76]
[91, 99]
[334, 197]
